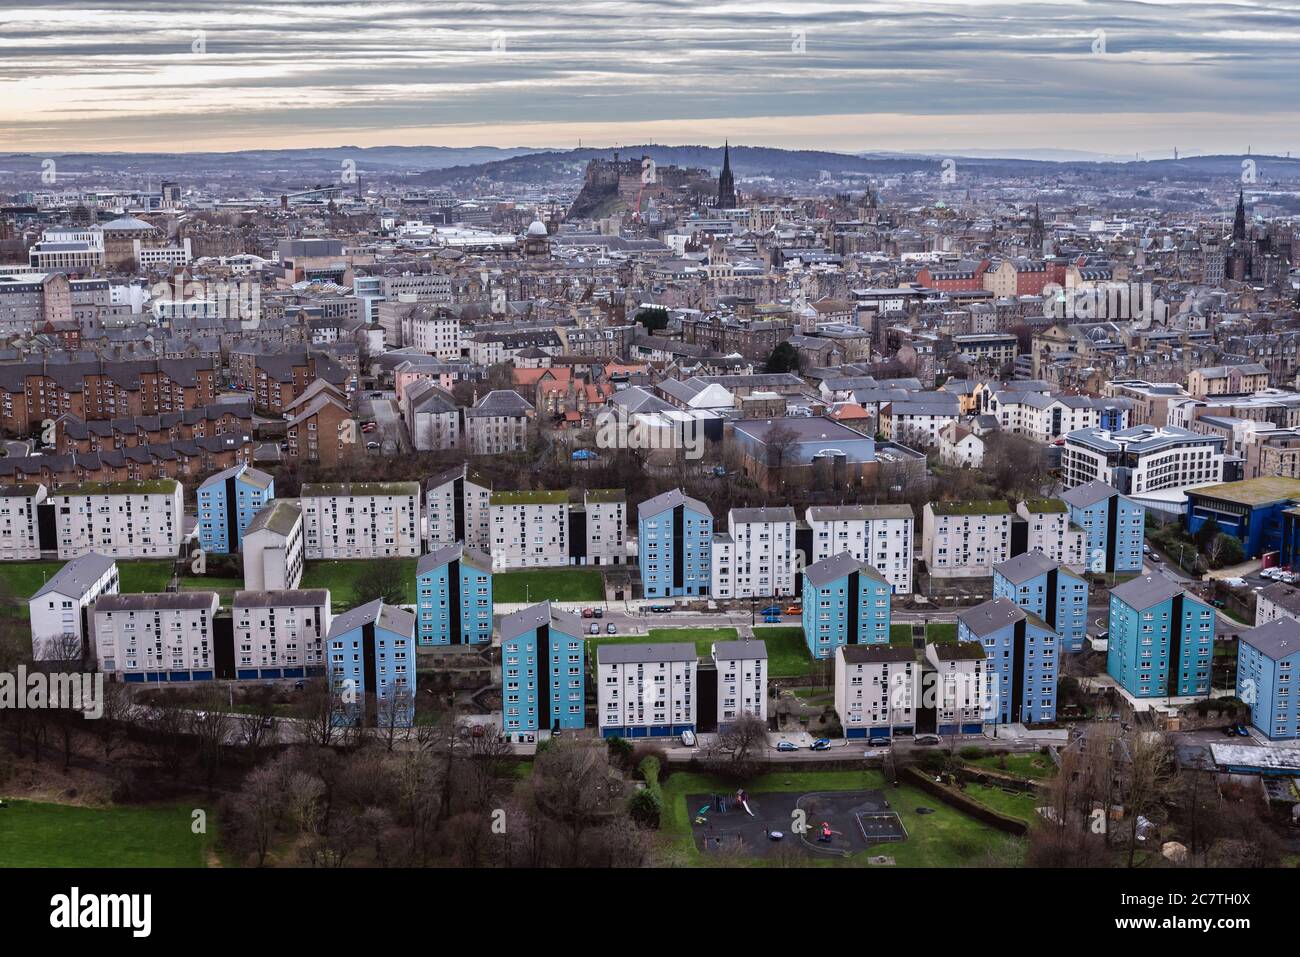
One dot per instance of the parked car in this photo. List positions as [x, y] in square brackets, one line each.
[794, 610]
[588, 612]
[373, 446]
[1230, 731]
[688, 738]
[787, 746]
[822, 744]
[611, 629]
[1218, 602]
[660, 609]
[771, 619]
[594, 629]
[881, 742]
[598, 612]
[926, 740]
[1241, 731]
[771, 610]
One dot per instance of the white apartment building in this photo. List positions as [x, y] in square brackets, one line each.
[280, 633]
[274, 547]
[877, 690]
[882, 536]
[742, 680]
[440, 494]
[432, 330]
[1145, 458]
[646, 690]
[1051, 532]
[165, 636]
[529, 529]
[498, 423]
[1278, 600]
[605, 540]
[760, 559]
[965, 539]
[20, 529]
[59, 611]
[361, 520]
[1044, 418]
[120, 519]
[478, 511]
[961, 686]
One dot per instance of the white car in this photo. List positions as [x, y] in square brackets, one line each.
[688, 738]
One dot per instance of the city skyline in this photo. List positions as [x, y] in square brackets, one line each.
[1113, 78]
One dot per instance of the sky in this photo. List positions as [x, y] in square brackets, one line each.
[1117, 78]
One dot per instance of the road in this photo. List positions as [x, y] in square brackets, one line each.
[390, 432]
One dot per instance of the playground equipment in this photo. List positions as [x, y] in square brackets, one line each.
[743, 800]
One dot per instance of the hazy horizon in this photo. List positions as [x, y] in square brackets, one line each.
[1108, 77]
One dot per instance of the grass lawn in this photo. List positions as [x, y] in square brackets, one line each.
[340, 577]
[938, 632]
[702, 638]
[1012, 804]
[225, 587]
[1034, 766]
[946, 838]
[557, 584]
[787, 654]
[23, 579]
[34, 834]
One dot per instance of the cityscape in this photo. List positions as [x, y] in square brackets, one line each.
[537, 450]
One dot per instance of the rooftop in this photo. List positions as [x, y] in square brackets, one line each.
[1252, 492]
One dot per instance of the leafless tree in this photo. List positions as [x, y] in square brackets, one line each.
[738, 747]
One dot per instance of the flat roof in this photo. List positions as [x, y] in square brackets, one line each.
[1252, 492]
[634, 652]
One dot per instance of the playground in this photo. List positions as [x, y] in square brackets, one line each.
[822, 823]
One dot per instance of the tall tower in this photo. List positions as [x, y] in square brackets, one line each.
[726, 182]
[1239, 221]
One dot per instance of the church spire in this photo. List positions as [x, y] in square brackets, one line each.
[726, 181]
[1239, 222]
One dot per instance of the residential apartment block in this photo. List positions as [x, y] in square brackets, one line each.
[1141, 459]
[1161, 641]
[646, 690]
[1048, 589]
[543, 664]
[227, 503]
[845, 602]
[60, 610]
[883, 536]
[453, 604]
[742, 680]
[965, 539]
[161, 637]
[1022, 653]
[118, 519]
[1113, 525]
[361, 520]
[1268, 663]
[877, 690]
[675, 546]
[20, 528]
[274, 547]
[372, 665]
[280, 633]
[756, 557]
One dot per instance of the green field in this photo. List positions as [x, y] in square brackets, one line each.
[946, 838]
[225, 587]
[23, 579]
[787, 654]
[1011, 803]
[1034, 766]
[702, 638]
[340, 578]
[938, 632]
[557, 584]
[56, 835]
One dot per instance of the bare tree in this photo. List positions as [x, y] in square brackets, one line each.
[738, 747]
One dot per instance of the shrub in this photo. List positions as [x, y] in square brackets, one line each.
[970, 753]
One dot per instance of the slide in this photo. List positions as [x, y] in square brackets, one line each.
[745, 805]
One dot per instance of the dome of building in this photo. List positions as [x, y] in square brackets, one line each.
[537, 229]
